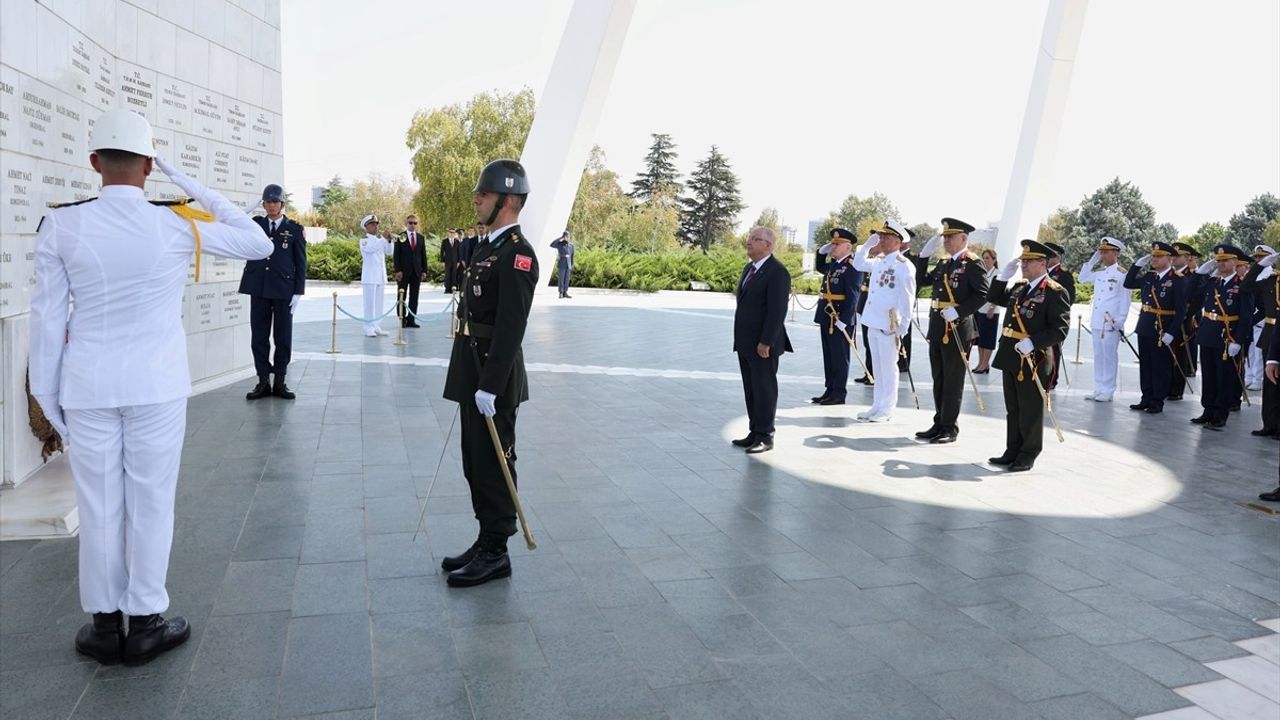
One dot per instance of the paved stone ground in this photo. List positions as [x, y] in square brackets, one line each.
[852, 573]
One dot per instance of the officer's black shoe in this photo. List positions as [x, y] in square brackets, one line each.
[1002, 460]
[1264, 432]
[929, 434]
[1236, 408]
[1200, 420]
[763, 444]
[151, 635]
[818, 399]
[485, 566]
[1174, 398]
[1020, 467]
[831, 401]
[1215, 424]
[1155, 410]
[102, 639]
[1139, 406]
[1273, 496]
[864, 380]
[281, 390]
[567, 296]
[747, 441]
[457, 562]
[261, 390]
[944, 437]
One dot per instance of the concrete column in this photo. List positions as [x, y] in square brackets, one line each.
[1026, 203]
[568, 112]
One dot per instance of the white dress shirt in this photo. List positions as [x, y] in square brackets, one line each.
[124, 261]
[373, 263]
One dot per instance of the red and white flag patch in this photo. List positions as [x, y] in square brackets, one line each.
[524, 263]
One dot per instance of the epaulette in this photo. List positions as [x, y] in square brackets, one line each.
[1053, 284]
[55, 206]
[972, 255]
[515, 237]
[171, 203]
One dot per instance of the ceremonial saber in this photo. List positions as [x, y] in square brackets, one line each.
[1123, 337]
[1244, 389]
[1178, 365]
[964, 358]
[854, 345]
[1048, 404]
[902, 352]
[431, 486]
[511, 484]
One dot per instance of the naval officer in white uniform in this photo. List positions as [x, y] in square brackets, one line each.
[374, 250]
[887, 315]
[1110, 310]
[111, 374]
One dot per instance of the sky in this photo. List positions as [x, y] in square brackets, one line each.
[921, 100]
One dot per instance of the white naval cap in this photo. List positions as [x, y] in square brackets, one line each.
[364, 221]
[1263, 250]
[1110, 243]
[897, 228]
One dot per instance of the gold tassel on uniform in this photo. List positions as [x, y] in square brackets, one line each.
[183, 209]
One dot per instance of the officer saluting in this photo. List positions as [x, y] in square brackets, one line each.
[1039, 313]
[274, 287]
[1063, 277]
[1163, 302]
[1225, 330]
[1184, 345]
[1110, 311]
[834, 312]
[116, 365]
[486, 367]
[959, 289]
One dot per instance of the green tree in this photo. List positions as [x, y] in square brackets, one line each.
[452, 144]
[1116, 209]
[658, 182]
[1271, 234]
[388, 198]
[855, 211]
[1245, 229]
[334, 193]
[709, 213]
[601, 206]
[1206, 237]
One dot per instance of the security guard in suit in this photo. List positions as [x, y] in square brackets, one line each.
[959, 288]
[1037, 317]
[1064, 278]
[486, 374]
[1184, 342]
[1225, 331]
[841, 287]
[1263, 283]
[1164, 303]
[274, 286]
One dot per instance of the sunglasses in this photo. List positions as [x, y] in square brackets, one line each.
[412, 222]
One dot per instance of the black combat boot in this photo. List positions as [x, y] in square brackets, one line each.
[281, 390]
[102, 639]
[261, 390]
[151, 635]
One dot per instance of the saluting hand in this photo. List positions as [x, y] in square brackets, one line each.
[1009, 270]
[1143, 261]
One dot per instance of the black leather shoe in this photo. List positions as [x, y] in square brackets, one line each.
[864, 380]
[747, 441]
[1002, 460]
[1139, 406]
[1173, 398]
[151, 635]
[818, 399]
[1215, 425]
[830, 401]
[1264, 432]
[1273, 496]
[1020, 467]
[1236, 408]
[457, 562]
[1200, 420]
[761, 445]
[281, 390]
[485, 566]
[929, 434]
[567, 296]
[102, 639]
[261, 390]
[943, 438]
[1154, 410]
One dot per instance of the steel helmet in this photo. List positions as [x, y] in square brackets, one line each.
[503, 176]
[121, 129]
[273, 193]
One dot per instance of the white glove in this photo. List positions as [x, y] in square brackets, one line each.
[950, 314]
[931, 247]
[825, 249]
[841, 325]
[1166, 339]
[1143, 261]
[223, 210]
[1207, 268]
[53, 411]
[293, 304]
[1094, 258]
[1024, 346]
[1267, 272]
[1009, 270]
[1269, 260]
[1233, 349]
[484, 402]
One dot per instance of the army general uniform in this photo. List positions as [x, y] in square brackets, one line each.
[1266, 293]
[1038, 310]
[841, 287]
[1224, 323]
[959, 283]
[1184, 341]
[1163, 298]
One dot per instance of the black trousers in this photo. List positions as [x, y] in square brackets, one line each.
[760, 386]
[452, 278]
[835, 361]
[410, 287]
[1155, 370]
[1178, 381]
[1270, 400]
[1219, 382]
[947, 364]
[268, 317]
[1024, 413]
[490, 498]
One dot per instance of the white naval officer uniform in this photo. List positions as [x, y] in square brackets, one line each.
[373, 279]
[892, 286]
[116, 364]
[1106, 322]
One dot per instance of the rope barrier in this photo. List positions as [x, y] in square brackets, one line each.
[796, 299]
[364, 320]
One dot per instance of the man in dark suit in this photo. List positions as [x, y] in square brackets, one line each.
[1273, 377]
[469, 244]
[760, 336]
[274, 286]
[451, 260]
[409, 262]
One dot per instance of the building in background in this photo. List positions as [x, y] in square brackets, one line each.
[788, 234]
[813, 230]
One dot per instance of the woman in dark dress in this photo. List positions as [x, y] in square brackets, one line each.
[988, 319]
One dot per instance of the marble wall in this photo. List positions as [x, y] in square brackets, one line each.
[205, 73]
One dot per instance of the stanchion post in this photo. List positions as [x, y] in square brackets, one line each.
[400, 314]
[333, 331]
[451, 311]
[1079, 334]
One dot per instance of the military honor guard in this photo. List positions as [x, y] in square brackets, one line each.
[112, 377]
[1108, 315]
[1038, 314]
[486, 375]
[1163, 305]
[1224, 333]
[274, 286]
[887, 315]
[1265, 286]
[960, 285]
[374, 249]
[1184, 343]
[834, 312]
[564, 262]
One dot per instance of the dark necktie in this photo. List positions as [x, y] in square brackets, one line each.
[273, 227]
[750, 274]
[413, 245]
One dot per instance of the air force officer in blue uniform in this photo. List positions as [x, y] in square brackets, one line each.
[841, 285]
[274, 287]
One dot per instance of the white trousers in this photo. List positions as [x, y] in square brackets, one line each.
[884, 360]
[373, 297]
[125, 463]
[1253, 365]
[1106, 361]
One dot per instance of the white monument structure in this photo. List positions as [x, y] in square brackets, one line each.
[210, 85]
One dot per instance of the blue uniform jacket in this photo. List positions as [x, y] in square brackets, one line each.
[842, 285]
[1164, 301]
[1222, 302]
[284, 274]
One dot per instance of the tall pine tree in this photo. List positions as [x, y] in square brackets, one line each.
[659, 182]
[710, 211]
